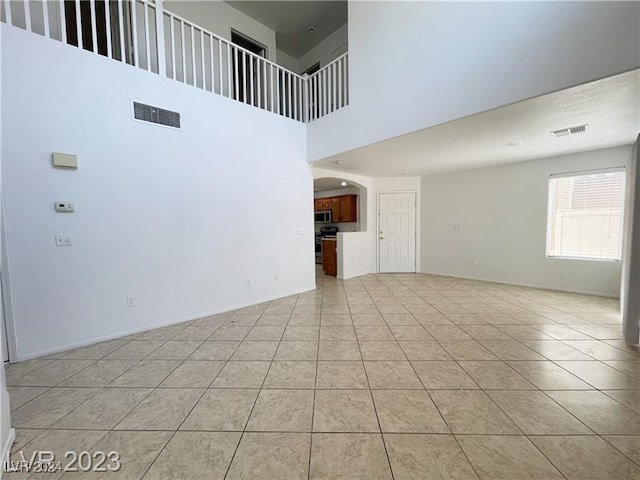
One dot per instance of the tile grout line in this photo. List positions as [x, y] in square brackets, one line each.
[315, 388]
[173, 434]
[228, 469]
[375, 410]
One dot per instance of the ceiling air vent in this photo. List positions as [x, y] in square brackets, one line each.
[151, 114]
[563, 132]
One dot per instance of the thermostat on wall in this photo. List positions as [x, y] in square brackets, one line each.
[64, 207]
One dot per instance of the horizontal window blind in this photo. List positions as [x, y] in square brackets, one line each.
[585, 216]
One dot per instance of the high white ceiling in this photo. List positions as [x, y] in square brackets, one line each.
[610, 107]
[290, 20]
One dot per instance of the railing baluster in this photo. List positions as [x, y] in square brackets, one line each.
[7, 12]
[244, 77]
[107, 19]
[272, 88]
[259, 77]
[79, 25]
[290, 107]
[322, 95]
[278, 87]
[160, 38]
[236, 94]
[315, 97]
[229, 80]
[147, 34]
[94, 28]
[121, 31]
[183, 53]
[193, 54]
[295, 97]
[340, 105]
[335, 87]
[204, 78]
[63, 21]
[220, 63]
[27, 15]
[327, 99]
[346, 81]
[134, 23]
[172, 34]
[45, 18]
[251, 82]
[213, 70]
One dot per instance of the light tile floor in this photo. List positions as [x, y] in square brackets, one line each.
[383, 376]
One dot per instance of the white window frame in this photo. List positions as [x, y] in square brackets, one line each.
[549, 200]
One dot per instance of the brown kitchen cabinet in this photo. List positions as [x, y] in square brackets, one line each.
[320, 204]
[330, 257]
[335, 210]
[348, 208]
[343, 208]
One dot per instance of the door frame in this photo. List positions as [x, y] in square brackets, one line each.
[376, 232]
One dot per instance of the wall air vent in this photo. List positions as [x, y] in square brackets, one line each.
[563, 132]
[160, 116]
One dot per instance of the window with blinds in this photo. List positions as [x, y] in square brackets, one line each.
[585, 217]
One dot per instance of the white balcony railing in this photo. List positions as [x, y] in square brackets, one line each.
[143, 34]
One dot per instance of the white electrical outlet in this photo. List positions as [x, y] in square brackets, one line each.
[247, 282]
[131, 302]
[474, 262]
[275, 276]
[63, 240]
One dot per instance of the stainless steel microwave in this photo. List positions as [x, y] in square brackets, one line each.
[323, 216]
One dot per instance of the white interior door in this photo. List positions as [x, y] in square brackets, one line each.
[397, 232]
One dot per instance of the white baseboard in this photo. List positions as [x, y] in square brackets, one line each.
[114, 336]
[6, 448]
[527, 285]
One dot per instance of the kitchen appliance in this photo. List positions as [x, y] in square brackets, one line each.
[325, 232]
[323, 216]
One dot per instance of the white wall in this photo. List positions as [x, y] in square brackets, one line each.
[6, 433]
[326, 51]
[287, 61]
[176, 219]
[417, 64]
[502, 213]
[354, 254]
[220, 18]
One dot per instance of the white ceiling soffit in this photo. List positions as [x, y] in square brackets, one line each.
[521, 131]
[290, 20]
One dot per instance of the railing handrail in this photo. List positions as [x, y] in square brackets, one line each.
[328, 65]
[228, 42]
